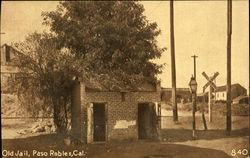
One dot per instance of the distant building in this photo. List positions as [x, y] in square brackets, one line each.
[202, 97]
[241, 100]
[236, 90]
[7, 55]
[183, 95]
[8, 69]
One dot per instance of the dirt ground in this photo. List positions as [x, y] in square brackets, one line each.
[137, 149]
[176, 141]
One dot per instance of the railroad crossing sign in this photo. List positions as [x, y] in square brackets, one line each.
[212, 85]
[210, 81]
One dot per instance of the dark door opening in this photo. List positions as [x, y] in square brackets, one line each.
[147, 121]
[99, 122]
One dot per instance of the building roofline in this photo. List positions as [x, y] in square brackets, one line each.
[223, 88]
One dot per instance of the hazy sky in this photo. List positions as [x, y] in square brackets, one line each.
[200, 28]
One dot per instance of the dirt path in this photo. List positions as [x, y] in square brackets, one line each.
[136, 149]
[177, 141]
[224, 144]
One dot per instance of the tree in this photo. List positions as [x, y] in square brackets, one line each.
[114, 37]
[108, 44]
[45, 77]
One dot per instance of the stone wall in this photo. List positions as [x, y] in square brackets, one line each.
[121, 111]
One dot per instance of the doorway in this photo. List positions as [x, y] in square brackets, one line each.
[147, 121]
[99, 122]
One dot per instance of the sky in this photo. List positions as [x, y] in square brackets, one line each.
[200, 29]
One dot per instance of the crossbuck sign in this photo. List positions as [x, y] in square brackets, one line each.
[212, 85]
[210, 81]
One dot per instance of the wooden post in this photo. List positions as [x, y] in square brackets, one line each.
[215, 91]
[204, 120]
[194, 109]
[210, 104]
[229, 34]
[194, 56]
[158, 122]
[195, 95]
[203, 114]
[90, 124]
[174, 103]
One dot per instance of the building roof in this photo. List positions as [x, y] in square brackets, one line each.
[4, 45]
[240, 97]
[95, 86]
[12, 49]
[223, 88]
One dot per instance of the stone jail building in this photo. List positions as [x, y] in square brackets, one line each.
[115, 115]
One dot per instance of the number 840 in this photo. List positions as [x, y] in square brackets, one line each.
[239, 152]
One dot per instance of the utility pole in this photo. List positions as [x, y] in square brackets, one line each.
[195, 94]
[229, 36]
[174, 103]
[194, 56]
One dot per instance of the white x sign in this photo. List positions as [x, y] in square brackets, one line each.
[210, 81]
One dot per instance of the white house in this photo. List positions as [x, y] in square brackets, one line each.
[236, 90]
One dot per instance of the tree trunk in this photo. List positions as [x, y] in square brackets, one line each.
[65, 99]
[59, 116]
